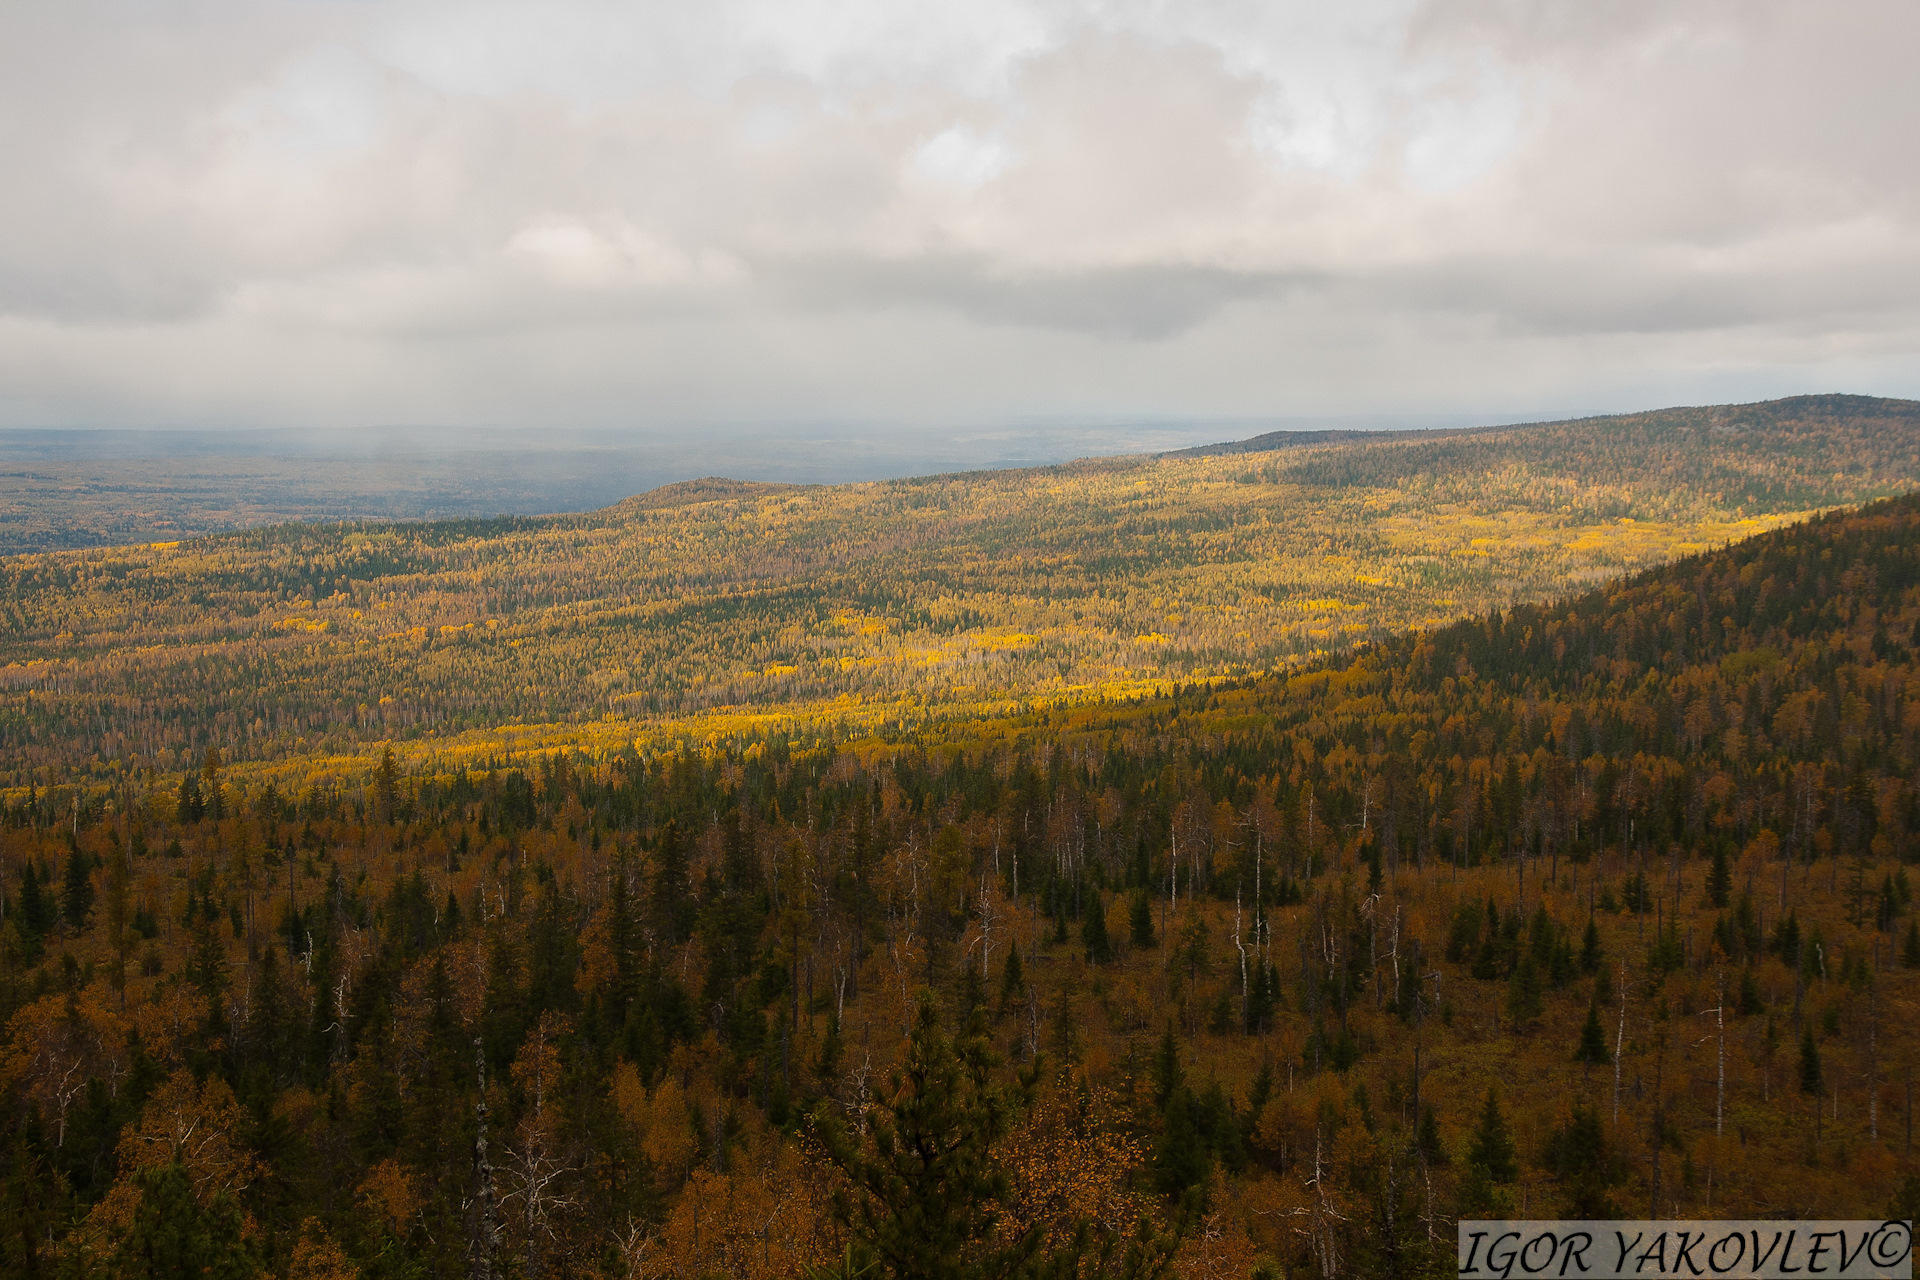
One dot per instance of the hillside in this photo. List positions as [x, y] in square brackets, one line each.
[1327, 957]
[720, 608]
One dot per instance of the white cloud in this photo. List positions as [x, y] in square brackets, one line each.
[960, 156]
[242, 210]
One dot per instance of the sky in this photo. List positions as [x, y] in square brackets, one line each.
[584, 214]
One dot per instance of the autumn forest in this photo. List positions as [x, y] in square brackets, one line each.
[1239, 863]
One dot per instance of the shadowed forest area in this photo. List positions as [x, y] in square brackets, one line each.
[1597, 903]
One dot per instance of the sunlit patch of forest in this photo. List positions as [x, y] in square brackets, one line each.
[1597, 904]
[717, 607]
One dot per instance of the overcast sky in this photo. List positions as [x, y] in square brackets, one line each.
[583, 213]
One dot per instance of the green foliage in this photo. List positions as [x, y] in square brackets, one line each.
[925, 1192]
[1093, 929]
[1491, 1148]
[1140, 920]
[1811, 1080]
[1580, 1157]
[173, 1236]
[1719, 878]
[1592, 1048]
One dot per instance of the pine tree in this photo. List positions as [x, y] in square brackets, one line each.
[1810, 1076]
[1491, 1148]
[172, 1235]
[672, 889]
[1093, 930]
[1910, 950]
[77, 895]
[35, 915]
[1181, 1160]
[1579, 1156]
[973, 990]
[1523, 992]
[1168, 1078]
[1749, 1002]
[1013, 984]
[1427, 1138]
[385, 788]
[189, 805]
[1592, 1048]
[925, 1189]
[1719, 879]
[1140, 920]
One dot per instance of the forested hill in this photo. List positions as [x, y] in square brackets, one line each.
[724, 609]
[1768, 455]
[1598, 908]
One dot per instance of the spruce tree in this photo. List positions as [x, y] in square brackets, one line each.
[1579, 1156]
[973, 989]
[1140, 920]
[1523, 992]
[1910, 950]
[36, 912]
[1427, 1138]
[1720, 879]
[1093, 930]
[925, 1188]
[1181, 1160]
[1168, 1078]
[1491, 1148]
[1810, 1076]
[1592, 1048]
[77, 895]
[172, 1235]
[1013, 984]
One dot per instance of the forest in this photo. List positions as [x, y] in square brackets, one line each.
[1593, 903]
[709, 610]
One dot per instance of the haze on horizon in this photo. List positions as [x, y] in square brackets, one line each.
[586, 214]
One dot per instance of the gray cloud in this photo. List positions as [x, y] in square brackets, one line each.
[593, 212]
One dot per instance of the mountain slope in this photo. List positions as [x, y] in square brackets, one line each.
[717, 606]
[1325, 946]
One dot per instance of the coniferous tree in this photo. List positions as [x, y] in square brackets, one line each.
[189, 805]
[1093, 930]
[1181, 1161]
[385, 785]
[1140, 920]
[76, 899]
[973, 990]
[211, 796]
[1810, 1074]
[671, 893]
[1579, 1155]
[925, 1191]
[1592, 1049]
[1523, 993]
[1719, 878]
[172, 1236]
[36, 911]
[1491, 1147]
[1168, 1077]
[1427, 1138]
[1013, 984]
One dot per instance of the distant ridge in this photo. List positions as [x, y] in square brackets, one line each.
[1272, 441]
[1835, 404]
[685, 493]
